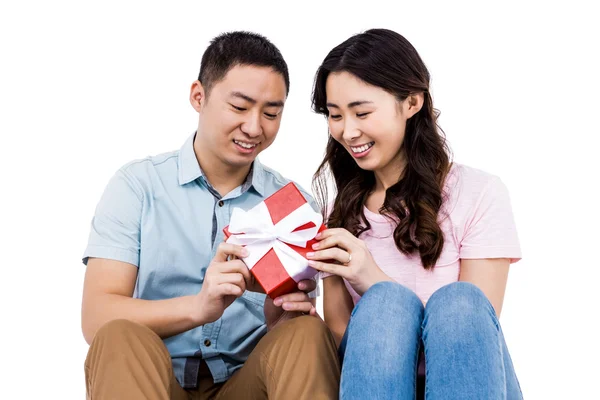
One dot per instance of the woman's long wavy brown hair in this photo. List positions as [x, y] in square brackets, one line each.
[385, 59]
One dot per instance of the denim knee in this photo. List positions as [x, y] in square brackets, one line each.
[388, 298]
[387, 306]
[385, 323]
[458, 307]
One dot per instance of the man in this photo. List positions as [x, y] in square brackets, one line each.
[169, 310]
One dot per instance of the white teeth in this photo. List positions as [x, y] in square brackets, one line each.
[245, 145]
[362, 148]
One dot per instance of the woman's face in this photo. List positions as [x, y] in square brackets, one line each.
[368, 121]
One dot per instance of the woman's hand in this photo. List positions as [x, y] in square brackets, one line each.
[354, 261]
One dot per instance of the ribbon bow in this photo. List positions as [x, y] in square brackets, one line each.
[255, 230]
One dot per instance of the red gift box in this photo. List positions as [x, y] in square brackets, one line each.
[269, 271]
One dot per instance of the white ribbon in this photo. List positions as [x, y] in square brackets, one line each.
[255, 230]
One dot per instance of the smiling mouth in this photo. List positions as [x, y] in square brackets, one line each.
[362, 148]
[245, 145]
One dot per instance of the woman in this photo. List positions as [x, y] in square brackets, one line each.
[425, 244]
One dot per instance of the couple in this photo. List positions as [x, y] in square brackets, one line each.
[423, 243]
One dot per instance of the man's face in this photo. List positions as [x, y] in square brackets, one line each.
[241, 115]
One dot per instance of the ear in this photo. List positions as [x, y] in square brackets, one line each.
[197, 96]
[413, 104]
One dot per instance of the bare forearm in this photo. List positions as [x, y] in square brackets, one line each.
[337, 330]
[337, 306]
[165, 317]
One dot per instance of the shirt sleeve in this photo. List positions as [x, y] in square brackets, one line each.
[490, 230]
[115, 227]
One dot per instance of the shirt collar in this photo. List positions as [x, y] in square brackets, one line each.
[189, 169]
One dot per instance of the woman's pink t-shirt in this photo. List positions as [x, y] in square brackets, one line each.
[477, 222]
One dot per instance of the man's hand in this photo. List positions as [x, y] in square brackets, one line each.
[225, 280]
[291, 305]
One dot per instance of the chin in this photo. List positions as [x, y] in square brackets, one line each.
[367, 165]
[239, 162]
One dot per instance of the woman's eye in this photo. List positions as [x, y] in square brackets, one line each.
[362, 115]
[238, 108]
[335, 117]
[272, 116]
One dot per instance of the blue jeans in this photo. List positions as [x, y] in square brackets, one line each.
[465, 352]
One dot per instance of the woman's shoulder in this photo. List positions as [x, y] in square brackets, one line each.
[466, 186]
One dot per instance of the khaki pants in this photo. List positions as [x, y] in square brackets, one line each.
[296, 360]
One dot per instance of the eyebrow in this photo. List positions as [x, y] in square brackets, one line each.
[253, 101]
[350, 105]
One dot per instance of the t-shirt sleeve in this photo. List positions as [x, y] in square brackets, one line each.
[490, 230]
[115, 227]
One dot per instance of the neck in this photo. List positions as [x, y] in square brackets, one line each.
[391, 173]
[222, 177]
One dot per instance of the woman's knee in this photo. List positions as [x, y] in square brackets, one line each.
[387, 307]
[389, 298]
[458, 306]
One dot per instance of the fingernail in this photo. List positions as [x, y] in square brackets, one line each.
[301, 285]
[315, 246]
[311, 263]
[310, 254]
[277, 301]
[318, 235]
[245, 252]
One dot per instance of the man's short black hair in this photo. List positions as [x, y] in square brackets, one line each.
[239, 48]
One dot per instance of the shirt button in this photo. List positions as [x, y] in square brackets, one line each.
[221, 203]
[207, 343]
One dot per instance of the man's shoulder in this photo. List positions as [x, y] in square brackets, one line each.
[144, 169]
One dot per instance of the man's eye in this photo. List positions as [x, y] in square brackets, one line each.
[238, 108]
[272, 116]
[362, 115]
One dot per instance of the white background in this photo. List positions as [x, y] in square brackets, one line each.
[88, 86]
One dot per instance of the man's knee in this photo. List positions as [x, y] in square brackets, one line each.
[121, 340]
[306, 331]
[124, 338]
[306, 325]
[119, 329]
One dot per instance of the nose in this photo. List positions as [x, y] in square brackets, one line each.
[251, 125]
[351, 131]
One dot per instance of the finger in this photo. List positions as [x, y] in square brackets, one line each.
[332, 232]
[227, 249]
[307, 285]
[314, 313]
[334, 253]
[303, 306]
[236, 266]
[234, 279]
[335, 269]
[291, 297]
[342, 241]
[229, 289]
